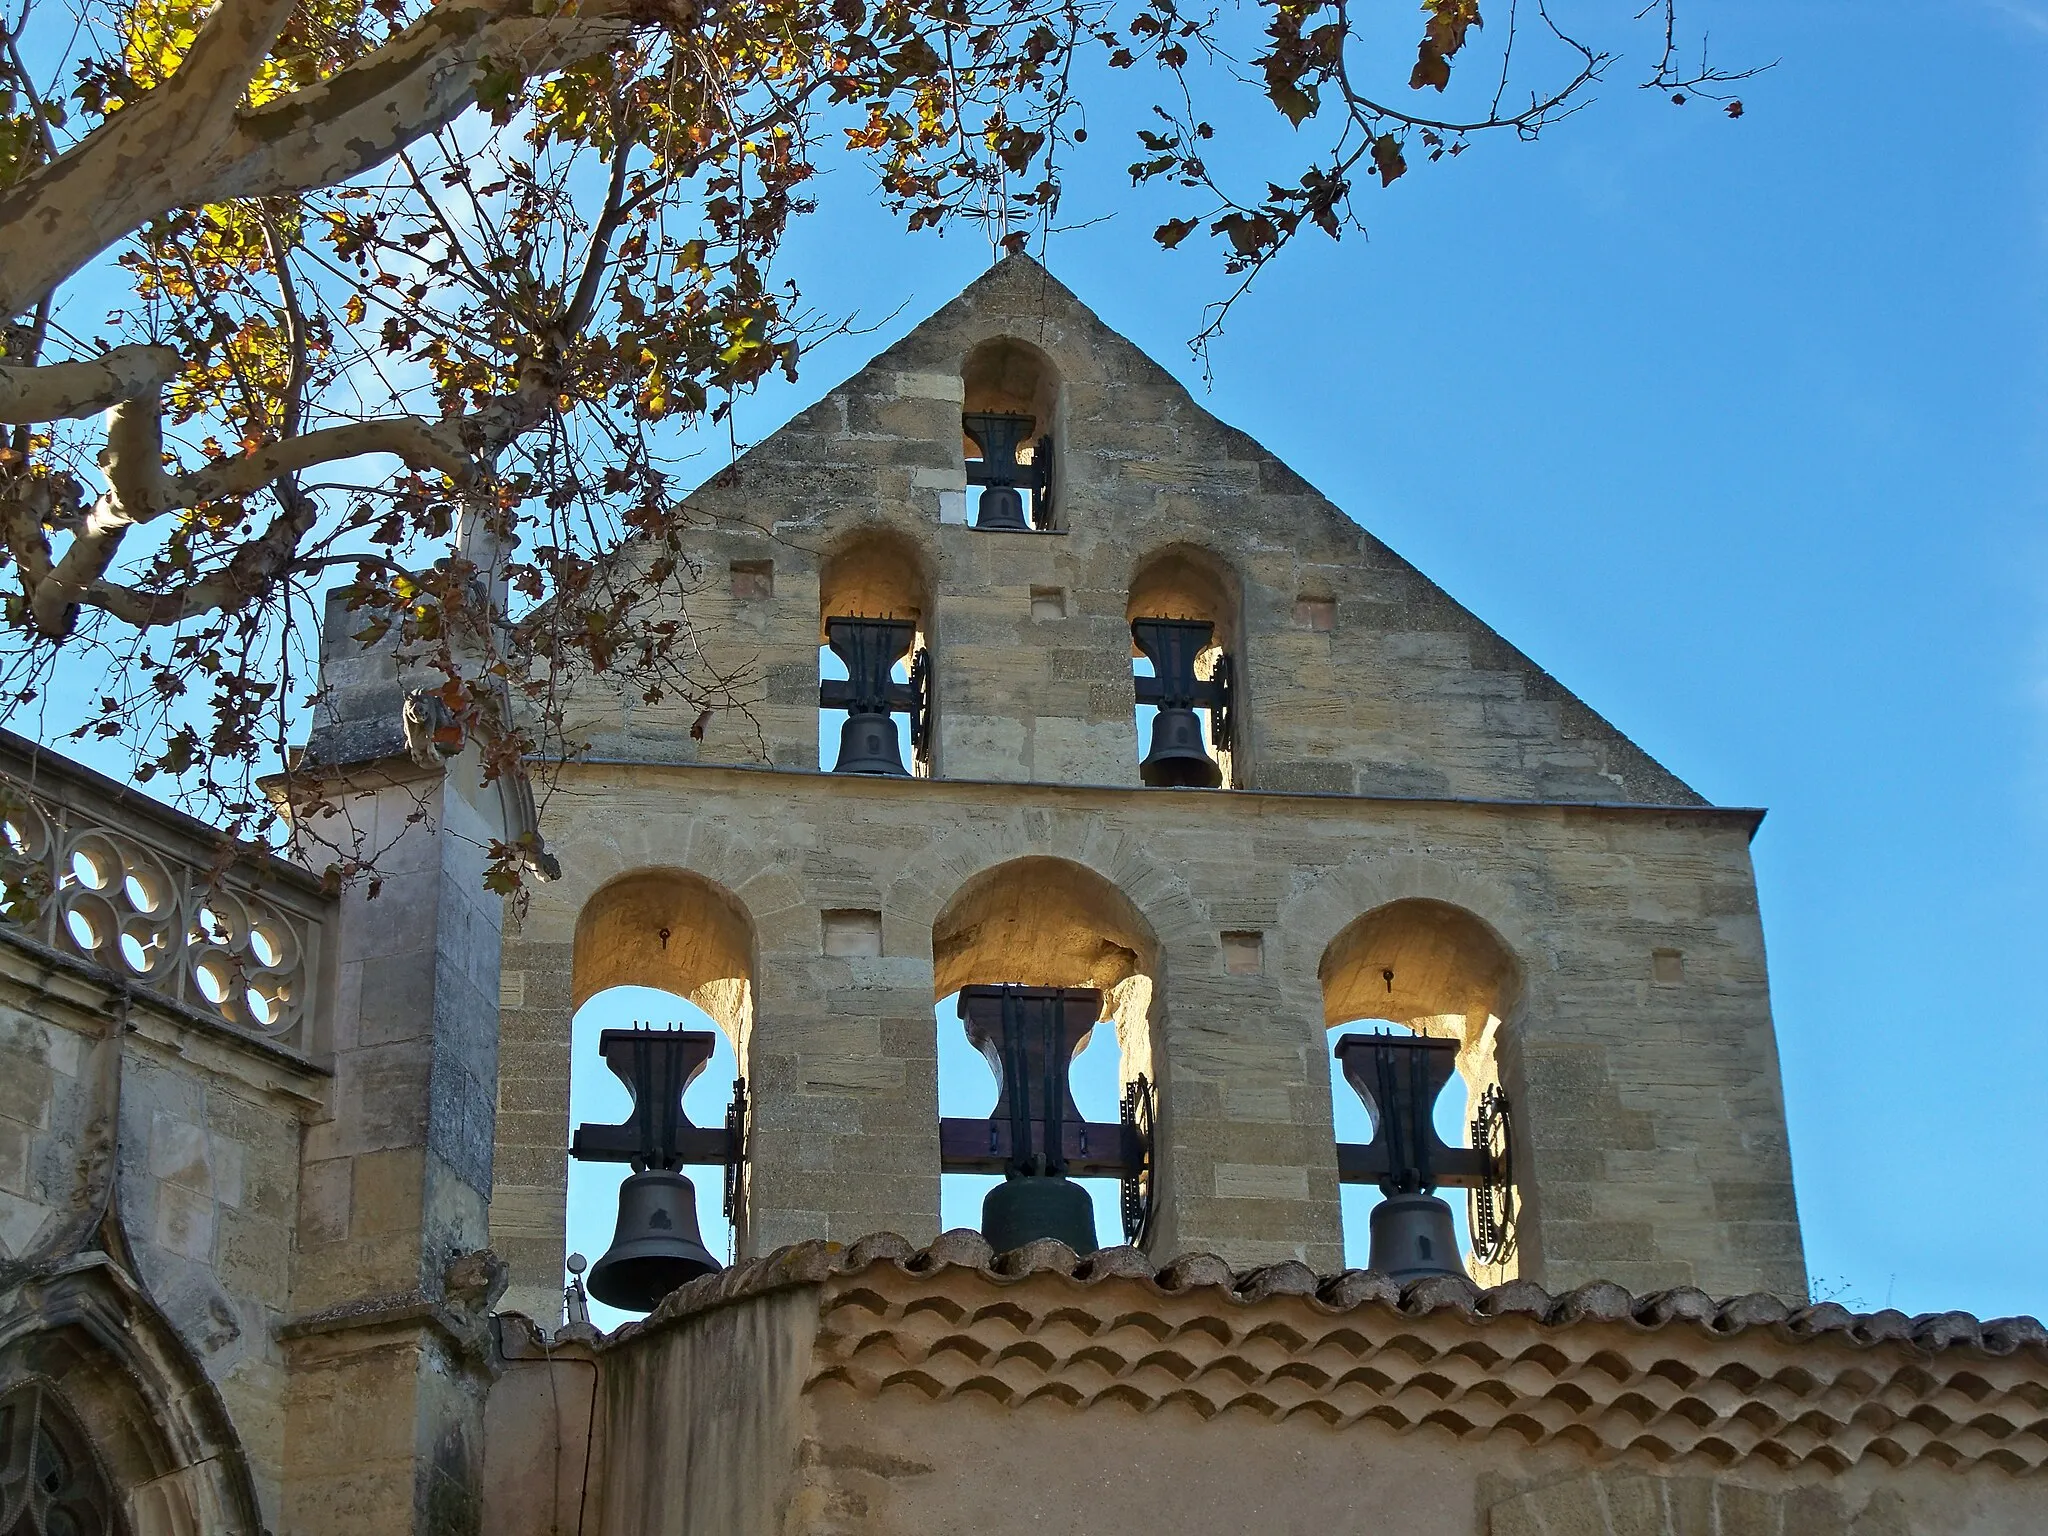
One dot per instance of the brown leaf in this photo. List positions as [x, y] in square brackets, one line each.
[1388, 160]
[1173, 231]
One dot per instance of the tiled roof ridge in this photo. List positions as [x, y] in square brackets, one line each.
[817, 1261]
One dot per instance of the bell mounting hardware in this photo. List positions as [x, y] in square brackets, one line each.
[870, 696]
[1179, 758]
[657, 1246]
[999, 434]
[1399, 1078]
[1036, 1137]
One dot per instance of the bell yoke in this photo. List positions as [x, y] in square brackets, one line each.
[657, 1245]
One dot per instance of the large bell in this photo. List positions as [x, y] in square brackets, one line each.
[1026, 1207]
[1179, 758]
[1412, 1236]
[869, 744]
[656, 1247]
[1001, 508]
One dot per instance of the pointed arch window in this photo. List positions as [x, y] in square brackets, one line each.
[51, 1481]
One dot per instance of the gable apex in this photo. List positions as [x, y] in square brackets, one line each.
[1359, 675]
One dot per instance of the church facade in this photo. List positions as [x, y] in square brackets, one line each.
[283, 1172]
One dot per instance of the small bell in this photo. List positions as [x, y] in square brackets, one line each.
[1412, 1236]
[870, 648]
[1000, 435]
[1001, 508]
[1026, 1207]
[1179, 758]
[656, 1247]
[869, 744]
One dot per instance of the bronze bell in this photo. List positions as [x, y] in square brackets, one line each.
[1399, 1078]
[869, 744]
[1412, 1236]
[999, 435]
[1179, 758]
[656, 1246]
[1026, 1207]
[1001, 508]
[870, 697]
[1028, 1036]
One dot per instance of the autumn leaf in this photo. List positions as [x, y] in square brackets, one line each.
[1388, 160]
[1442, 37]
[1173, 231]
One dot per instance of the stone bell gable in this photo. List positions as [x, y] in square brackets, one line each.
[1355, 673]
[1413, 824]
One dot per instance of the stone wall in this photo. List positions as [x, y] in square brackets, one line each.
[1651, 1144]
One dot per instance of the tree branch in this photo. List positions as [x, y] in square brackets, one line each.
[184, 145]
[135, 164]
[67, 391]
[141, 491]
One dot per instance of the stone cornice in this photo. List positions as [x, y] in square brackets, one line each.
[1672, 1377]
[1749, 818]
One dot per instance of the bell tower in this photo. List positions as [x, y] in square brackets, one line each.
[1131, 713]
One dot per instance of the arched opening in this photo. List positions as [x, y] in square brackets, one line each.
[1184, 584]
[876, 576]
[1044, 922]
[1010, 404]
[1429, 968]
[664, 949]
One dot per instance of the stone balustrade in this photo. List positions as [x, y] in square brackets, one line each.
[159, 900]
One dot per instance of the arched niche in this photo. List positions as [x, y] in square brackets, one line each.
[677, 933]
[673, 930]
[1186, 581]
[1041, 921]
[1426, 964]
[1433, 968]
[1006, 376]
[1010, 376]
[875, 573]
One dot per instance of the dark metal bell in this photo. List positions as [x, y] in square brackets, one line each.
[1001, 508]
[1179, 758]
[657, 1246]
[1412, 1236]
[868, 744]
[1026, 1207]
[871, 648]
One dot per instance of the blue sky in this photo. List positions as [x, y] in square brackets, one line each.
[1736, 427]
